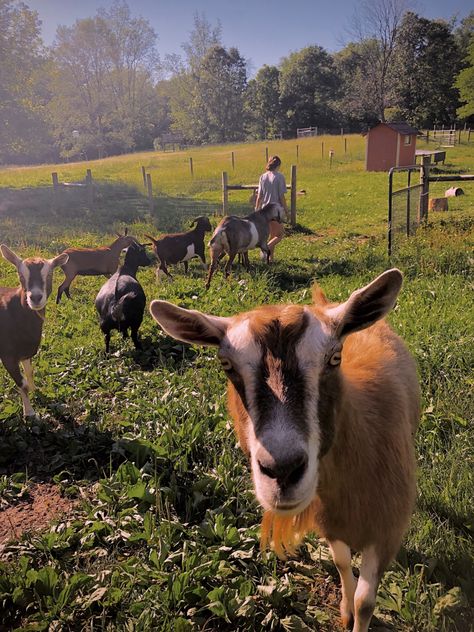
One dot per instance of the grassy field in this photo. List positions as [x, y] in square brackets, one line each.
[162, 530]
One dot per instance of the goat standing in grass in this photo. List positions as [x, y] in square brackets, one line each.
[22, 313]
[236, 235]
[325, 400]
[92, 261]
[121, 300]
[181, 247]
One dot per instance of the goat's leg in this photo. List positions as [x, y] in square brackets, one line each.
[186, 266]
[28, 370]
[341, 554]
[265, 252]
[228, 265]
[245, 257]
[163, 269]
[64, 287]
[366, 591]
[136, 341]
[215, 258]
[13, 367]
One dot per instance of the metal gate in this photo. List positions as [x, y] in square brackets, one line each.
[405, 206]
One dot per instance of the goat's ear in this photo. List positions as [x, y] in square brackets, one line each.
[60, 260]
[319, 298]
[189, 325]
[10, 256]
[367, 305]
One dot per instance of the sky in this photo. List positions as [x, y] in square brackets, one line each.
[264, 31]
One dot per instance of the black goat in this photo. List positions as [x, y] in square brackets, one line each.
[121, 300]
[181, 247]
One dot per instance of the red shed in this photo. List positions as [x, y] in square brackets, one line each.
[390, 145]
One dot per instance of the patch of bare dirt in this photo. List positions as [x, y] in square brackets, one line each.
[44, 503]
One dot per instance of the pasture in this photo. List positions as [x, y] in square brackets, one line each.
[160, 529]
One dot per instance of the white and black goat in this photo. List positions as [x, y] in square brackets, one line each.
[181, 247]
[325, 401]
[22, 313]
[237, 235]
[121, 300]
[92, 261]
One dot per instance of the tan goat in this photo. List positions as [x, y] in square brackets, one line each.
[92, 261]
[22, 313]
[325, 401]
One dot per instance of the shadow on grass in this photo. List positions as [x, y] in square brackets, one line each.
[32, 216]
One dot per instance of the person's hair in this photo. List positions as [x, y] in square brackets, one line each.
[273, 163]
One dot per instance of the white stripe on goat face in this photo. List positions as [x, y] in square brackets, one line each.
[279, 361]
[36, 278]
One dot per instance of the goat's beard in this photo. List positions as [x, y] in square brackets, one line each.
[285, 533]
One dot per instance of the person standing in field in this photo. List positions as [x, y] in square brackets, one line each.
[272, 190]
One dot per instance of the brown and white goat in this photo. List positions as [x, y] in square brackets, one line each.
[22, 312]
[181, 247]
[92, 261]
[325, 400]
[237, 235]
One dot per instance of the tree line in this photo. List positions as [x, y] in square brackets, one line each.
[102, 89]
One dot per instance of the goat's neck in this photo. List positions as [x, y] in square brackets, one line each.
[129, 269]
[116, 246]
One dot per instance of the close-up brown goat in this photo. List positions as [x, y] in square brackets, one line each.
[325, 400]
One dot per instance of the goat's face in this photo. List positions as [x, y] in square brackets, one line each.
[36, 276]
[124, 241]
[282, 363]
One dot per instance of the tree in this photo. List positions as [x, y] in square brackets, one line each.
[308, 88]
[24, 131]
[465, 85]
[202, 38]
[104, 84]
[426, 62]
[263, 111]
[375, 26]
[219, 94]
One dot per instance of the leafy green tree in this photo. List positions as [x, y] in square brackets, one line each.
[465, 85]
[24, 130]
[104, 94]
[219, 96]
[308, 89]
[263, 111]
[426, 62]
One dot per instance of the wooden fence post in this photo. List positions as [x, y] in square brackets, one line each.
[469, 135]
[459, 136]
[144, 176]
[150, 191]
[233, 160]
[297, 153]
[191, 166]
[345, 145]
[90, 189]
[322, 150]
[225, 193]
[293, 196]
[54, 177]
[425, 189]
[266, 154]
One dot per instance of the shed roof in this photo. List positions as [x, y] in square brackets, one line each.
[401, 127]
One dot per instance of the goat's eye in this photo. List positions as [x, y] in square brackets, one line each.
[226, 364]
[335, 358]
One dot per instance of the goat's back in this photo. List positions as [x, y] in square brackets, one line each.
[20, 327]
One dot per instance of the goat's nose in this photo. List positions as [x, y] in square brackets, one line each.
[287, 471]
[36, 297]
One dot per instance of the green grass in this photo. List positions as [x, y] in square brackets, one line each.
[165, 531]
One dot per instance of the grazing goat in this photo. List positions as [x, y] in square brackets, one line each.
[236, 235]
[325, 401]
[121, 300]
[181, 247]
[22, 312]
[92, 261]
